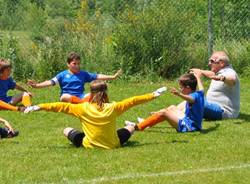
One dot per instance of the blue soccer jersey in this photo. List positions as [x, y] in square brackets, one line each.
[5, 86]
[195, 111]
[73, 83]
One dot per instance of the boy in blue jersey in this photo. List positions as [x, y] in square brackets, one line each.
[7, 83]
[183, 120]
[72, 81]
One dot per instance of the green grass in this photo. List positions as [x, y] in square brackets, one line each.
[41, 154]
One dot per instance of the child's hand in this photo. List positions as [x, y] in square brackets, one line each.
[159, 91]
[175, 92]
[31, 83]
[118, 73]
[31, 109]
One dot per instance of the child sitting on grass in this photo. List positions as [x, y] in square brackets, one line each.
[7, 83]
[98, 117]
[72, 80]
[186, 119]
[8, 131]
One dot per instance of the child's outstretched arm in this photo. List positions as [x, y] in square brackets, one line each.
[109, 77]
[183, 96]
[44, 84]
[136, 100]
[20, 88]
[68, 108]
[199, 82]
[7, 125]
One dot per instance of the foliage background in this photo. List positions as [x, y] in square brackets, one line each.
[147, 39]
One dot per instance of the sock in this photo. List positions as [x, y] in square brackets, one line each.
[6, 106]
[76, 100]
[26, 100]
[150, 121]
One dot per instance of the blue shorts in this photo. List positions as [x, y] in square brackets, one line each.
[186, 125]
[212, 111]
[6, 99]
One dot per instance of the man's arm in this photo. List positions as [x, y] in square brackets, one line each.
[206, 73]
[20, 88]
[229, 80]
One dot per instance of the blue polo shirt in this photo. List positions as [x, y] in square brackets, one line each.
[195, 111]
[73, 83]
[5, 86]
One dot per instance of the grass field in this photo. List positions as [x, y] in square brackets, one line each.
[41, 154]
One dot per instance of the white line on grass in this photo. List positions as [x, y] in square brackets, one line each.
[167, 173]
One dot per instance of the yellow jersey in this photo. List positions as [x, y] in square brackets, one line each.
[98, 124]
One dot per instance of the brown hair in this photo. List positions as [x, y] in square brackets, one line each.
[73, 56]
[4, 64]
[188, 79]
[98, 89]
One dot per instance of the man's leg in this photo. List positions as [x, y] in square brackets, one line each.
[212, 111]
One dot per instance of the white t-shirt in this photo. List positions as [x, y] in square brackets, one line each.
[227, 97]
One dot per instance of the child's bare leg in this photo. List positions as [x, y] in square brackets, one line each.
[65, 98]
[172, 115]
[182, 106]
[16, 99]
[24, 97]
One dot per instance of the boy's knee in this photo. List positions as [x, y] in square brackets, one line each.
[171, 107]
[67, 130]
[65, 98]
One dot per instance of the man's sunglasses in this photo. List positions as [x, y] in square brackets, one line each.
[212, 61]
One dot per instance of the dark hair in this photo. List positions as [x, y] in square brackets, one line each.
[4, 64]
[188, 79]
[73, 56]
[98, 89]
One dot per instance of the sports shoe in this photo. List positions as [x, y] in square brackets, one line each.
[129, 123]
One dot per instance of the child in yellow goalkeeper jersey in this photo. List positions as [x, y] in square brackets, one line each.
[7, 83]
[98, 117]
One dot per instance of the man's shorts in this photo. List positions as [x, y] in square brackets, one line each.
[212, 111]
[186, 125]
[6, 99]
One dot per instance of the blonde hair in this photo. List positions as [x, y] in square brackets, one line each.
[4, 64]
[98, 89]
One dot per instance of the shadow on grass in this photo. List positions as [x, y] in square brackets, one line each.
[245, 118]
[160, 129]
[138, 144]
[210, 129]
